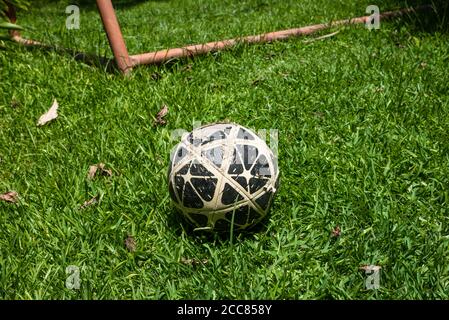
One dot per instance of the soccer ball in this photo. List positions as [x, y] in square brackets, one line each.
[222, 173]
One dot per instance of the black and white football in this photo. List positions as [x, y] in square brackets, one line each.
[222, 173]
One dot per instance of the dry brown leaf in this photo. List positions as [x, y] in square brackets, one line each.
[10, 196]
[89, 202]
[193, 262]
[257, 81]
[160, 115]
[92, 171]
[130, 243]
[104, 171]
[187, 68]
[378, 89]
[51, 114]
[336, 232]
[156, 76]
[319, 114]
[98, 167]
[15, 103]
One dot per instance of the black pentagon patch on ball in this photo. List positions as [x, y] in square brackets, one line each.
[230, 195]
[253, 215]
[240, 215]
[242, 181]
[222, 225]
[200, 219]
[243, 134]
[256, 184]
[190, 198]
[205, 187]
[184, 169]
[197, 169]
[264, 200]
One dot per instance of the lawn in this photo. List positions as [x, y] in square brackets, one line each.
[363, 122]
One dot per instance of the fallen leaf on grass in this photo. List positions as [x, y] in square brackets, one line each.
[15, 103]
[319, 114]
[270, 56]
[130, 243]
[156, 76]
[92, 171]
[98, 167]
[257, 81]
[89, 202]
[378, 89]
[160, 115]
[186, 68]
[51, 114]
[336, 232]
[10, 196]
[193, 262]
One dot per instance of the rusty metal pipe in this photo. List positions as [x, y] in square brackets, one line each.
[161, 56]
[115, 36]
[125, 62]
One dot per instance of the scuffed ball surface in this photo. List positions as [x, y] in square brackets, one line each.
[221, 173]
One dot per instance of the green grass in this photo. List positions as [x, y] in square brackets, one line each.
[363, 144]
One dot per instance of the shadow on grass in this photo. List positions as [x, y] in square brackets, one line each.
[430, 20]
[178, 225]
[104, 63]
